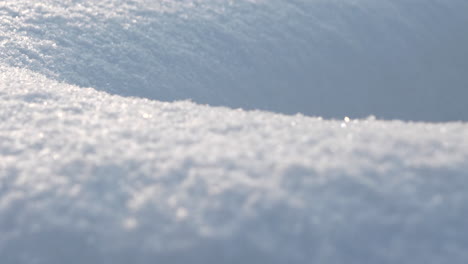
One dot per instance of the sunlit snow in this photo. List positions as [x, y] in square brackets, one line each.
[399, 59]
[168, 131]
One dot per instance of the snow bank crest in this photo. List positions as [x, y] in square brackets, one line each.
[90, 177]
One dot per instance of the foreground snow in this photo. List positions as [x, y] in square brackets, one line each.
[87, 177]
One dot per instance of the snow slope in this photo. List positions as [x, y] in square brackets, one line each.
[400, 59]
[93, 175]
[87, 177]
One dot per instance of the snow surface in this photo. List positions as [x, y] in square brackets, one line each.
[91, 175]
[87, 177]
[405, 59]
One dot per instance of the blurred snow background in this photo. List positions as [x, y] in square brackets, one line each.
[125, 172]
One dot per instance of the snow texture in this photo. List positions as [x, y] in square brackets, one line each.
[93, 175]
[404, 59]
[87, 177]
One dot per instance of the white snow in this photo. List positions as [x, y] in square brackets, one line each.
[91, 175]
[400, 59]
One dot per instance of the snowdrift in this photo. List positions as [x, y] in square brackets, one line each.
[392, 58]
[100, 161]
[90, 177]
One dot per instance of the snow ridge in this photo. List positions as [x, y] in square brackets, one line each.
[90, 177]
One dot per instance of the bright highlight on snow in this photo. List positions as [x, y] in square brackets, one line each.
[136, 131]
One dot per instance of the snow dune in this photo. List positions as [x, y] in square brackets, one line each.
[392, 58]
[124, 172]
[90, 177]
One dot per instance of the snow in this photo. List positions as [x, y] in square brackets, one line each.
[395, 59]
[102, 160]
[116, 180]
